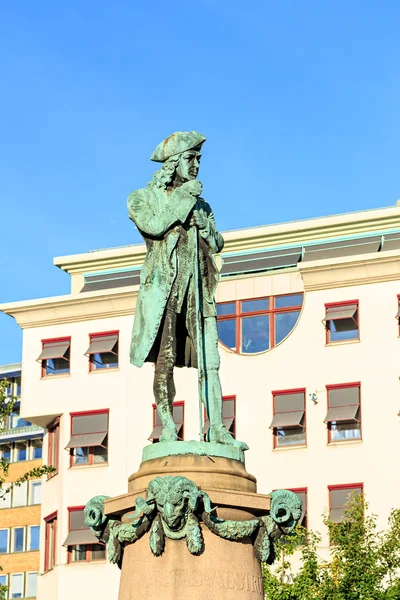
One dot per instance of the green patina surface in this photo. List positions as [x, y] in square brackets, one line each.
[175, 319]
[175, 508]
[199, 448]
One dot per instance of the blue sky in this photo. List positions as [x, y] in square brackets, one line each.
[299, 100]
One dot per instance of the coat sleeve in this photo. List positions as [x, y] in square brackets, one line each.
[154, 211]
[210, 234]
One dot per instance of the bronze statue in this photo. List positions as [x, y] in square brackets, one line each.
[175, 320]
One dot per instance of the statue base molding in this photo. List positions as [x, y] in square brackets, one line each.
[222, 568]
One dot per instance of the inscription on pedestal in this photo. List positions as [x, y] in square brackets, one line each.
[211, 579]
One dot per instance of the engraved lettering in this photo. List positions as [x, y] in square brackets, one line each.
[238, 581]
[218, 581]
[195, 579]
[230, 584]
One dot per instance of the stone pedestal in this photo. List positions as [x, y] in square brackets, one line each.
[224, 569]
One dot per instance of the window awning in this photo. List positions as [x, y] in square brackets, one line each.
[227, 421]
[155, 434]
[287, 419]
[81, 536]
[56, 350]
[289, 402]
[92, 423]
[398, 313]
[334, 313]
[342, 413]
[105, 343]
[157, 431]
[86, 439]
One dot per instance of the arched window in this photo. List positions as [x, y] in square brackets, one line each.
[259, 324]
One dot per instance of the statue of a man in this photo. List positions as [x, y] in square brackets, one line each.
[175, 317]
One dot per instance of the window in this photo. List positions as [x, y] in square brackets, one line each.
[5, 496]
[252, 326]
[4, 540]
[16, 422]
[36, 449]
[33, 537]
[89, 440]
[341, 321]
[112, 279]
[228, 415]
[3, 581]
[19, 495]
[339, 496]
[81, 542]
[31, 581]
[178, 413]
[103, 351]
[302, 494]
[5, 450]
[16, 585]
[344, 412]
[14, 387]
[55, 357]
[288, 424]
[50, 541]
[18, 539]
[35, 492]
[54, 445]
[21, 451]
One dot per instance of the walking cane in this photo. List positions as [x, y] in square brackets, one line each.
[199, 337]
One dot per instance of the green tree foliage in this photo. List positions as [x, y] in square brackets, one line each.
[364, 563]
[6, 407]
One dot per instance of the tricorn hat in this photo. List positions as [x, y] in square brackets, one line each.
[176, 144]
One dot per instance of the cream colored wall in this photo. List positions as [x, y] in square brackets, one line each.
[302, 360]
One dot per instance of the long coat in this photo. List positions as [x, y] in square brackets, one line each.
[159, 216]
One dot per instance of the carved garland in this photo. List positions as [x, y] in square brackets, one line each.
[174, 508]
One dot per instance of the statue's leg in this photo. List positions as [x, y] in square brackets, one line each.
[164, 387]
[217, 432]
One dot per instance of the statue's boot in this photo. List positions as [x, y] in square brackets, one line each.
[221, 435]
[169, 433]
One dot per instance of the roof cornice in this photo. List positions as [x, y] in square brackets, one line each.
[366, 269]
[372, 268]
[292, 233]
[73, 308]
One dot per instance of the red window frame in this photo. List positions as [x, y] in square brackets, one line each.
[50, 534]
[271, 311]
[327, 330]
[52, 341]
[91, 454]
[177, 403]
[224, 399]
[275, 432]
[339, 386]
[302, 490]
[97, 335]
[88, 552]
[53, 451]
[344, 486]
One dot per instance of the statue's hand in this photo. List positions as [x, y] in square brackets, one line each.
[198, 219]
[194, 187]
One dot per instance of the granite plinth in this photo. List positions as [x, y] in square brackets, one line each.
[224, 569]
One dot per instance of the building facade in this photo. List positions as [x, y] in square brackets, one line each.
[20, 516]
[308, 318]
